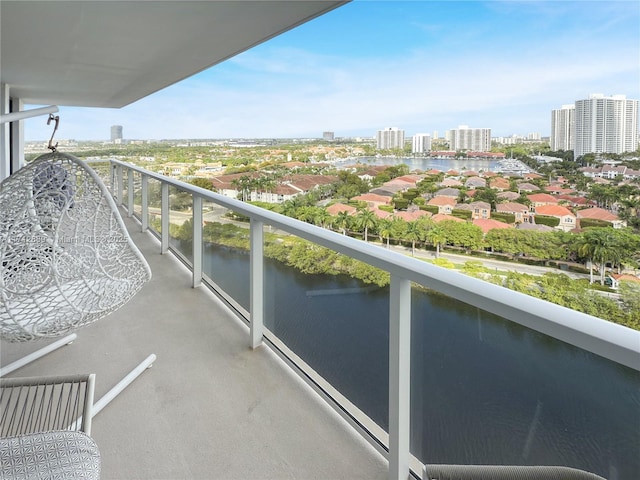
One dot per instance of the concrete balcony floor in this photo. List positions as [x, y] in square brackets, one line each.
[210, 407]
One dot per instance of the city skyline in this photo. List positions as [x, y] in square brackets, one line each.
[421, 66]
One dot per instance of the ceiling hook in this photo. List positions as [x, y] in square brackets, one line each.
[55, 118]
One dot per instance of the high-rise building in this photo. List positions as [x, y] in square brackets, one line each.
[473, 139]
[421, 142]
[563, 128]
[390, 138]
[328, 136]
[116, 133]
[605, 125]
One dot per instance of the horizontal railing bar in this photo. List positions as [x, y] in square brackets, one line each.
[609, 340]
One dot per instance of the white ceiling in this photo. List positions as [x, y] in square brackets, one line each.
[110, 53]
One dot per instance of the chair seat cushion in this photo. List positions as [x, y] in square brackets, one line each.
[49, 455]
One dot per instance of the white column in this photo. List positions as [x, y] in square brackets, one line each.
[399, 377]
[130, 193]
[257, 283]
[144, 215]
[5, 147]
[197, 241]
[164, 212]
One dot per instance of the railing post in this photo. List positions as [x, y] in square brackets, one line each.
[144, 214]
[399, 377]
[130, 193]
[112, 178]
[164, 217]
[257, 282]
[120, 188]
[197, 244]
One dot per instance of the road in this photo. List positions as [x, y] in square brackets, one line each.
[216, 213]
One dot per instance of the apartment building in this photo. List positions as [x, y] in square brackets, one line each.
[465, 138]
[390, 138]
[421, 143]
[563, 128]
[605, 125]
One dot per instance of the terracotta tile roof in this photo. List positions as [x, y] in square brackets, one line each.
[441, 201]
[448, 192]
[597, 213]
[499, 183]
[512, 207]
[553, 211]
[381, 213]
[450, 182]
[527, 187]
[476, 181]
[542, 198]
[340, 207]
[308, 182]
[473, 205]
[487, 224]
[575, 200]
[625, 277]
[441, 217]
[373, 198]
[411, 216]
[509, 195]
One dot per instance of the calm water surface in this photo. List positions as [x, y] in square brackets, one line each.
[484, 390]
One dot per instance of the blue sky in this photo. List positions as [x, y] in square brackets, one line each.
[422, 66]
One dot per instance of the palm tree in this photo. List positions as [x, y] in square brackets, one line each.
[415, 232]
[321, 217]
[342, 221]
[437, 236]
[365, 219]
[385, 229]
[244, 184]
[599, 246]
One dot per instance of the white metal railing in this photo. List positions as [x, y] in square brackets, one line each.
[614, 342]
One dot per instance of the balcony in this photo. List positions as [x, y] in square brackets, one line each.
[210, 406]
[251, 381]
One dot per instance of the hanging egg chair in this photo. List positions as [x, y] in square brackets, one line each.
[66, 257]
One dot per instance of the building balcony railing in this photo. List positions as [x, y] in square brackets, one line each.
[435, 368]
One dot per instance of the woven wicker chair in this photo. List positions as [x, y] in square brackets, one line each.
[45, 425]
[67, 259]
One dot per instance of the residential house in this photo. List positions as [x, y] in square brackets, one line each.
[575, 201]
[373, 200]
[499, 183]
[597, 213]
[475, 182]
[450, 182]
[478, 209]
[448, 192]
[520, 211]
[336, 208]
[568, 220]
[527, 187]
[617, 278]
[539, 199]
[509, 196]
[445, 204]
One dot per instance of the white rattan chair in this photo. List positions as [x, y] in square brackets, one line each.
[67, 259]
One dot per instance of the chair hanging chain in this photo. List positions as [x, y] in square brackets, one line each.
[55, 118]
